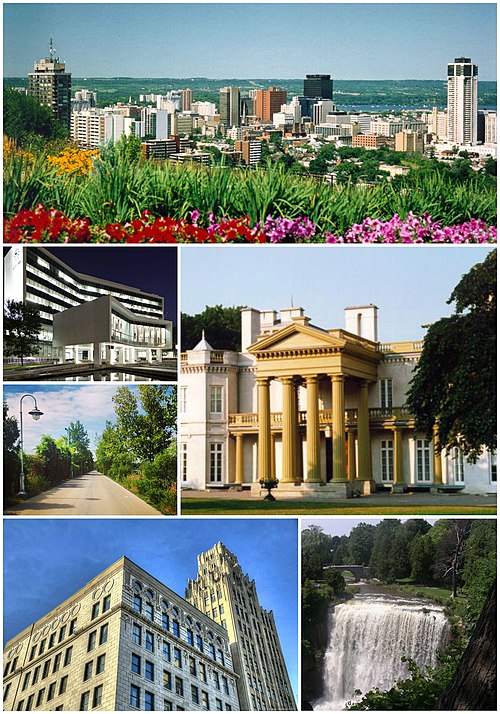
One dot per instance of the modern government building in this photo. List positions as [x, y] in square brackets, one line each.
[321, 410]
[126, 642]
[87, 319]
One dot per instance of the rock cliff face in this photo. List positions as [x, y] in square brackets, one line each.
[314, 644]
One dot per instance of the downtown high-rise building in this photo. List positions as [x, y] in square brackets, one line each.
[187, 99]
[462, 102]
[224, 593]
[229, 106]
[268, 102]
[318, 86]
[50, 85]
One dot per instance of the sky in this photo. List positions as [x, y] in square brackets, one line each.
[90, 404]
[245, 40]
[409, 284]
[62, 555]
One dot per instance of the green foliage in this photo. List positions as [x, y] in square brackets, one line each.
[335, 581]
[22, 326]
[479, 565]
[24, 118]
[454, 383]
[422, 555]
[158, 485]
[315, 600]
[222, 326]
[11, 463]
[361, 543]
[78, 444]
[55, 459]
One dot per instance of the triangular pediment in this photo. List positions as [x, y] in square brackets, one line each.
[295, 337]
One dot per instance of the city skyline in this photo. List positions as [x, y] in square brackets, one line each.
[390, 35]
[74, 551]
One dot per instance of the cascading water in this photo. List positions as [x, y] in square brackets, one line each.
[369, 635]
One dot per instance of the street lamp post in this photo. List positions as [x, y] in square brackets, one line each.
[70, 455]
[36, 414]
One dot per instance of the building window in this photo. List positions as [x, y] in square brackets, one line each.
[182, 400]
[33, 653]
[135, 696]
[216, 680]
[103, 636]
[92, 641]
[87, 673]
[148, 611]
[39, 698]
[386, 393]
[72, 626]
[137, 603]
[100, 664]
[199, 643]
[211, 650]
[97, 698]
[26, 681]
[225, 685]
[84, 701]
[149, 671]
[457, 465]
[136, 664]
[165, 623]
[204, 700]
[36, 674]
[218, 705]
[166, 651]
[493, 467]
[51, 692]
[179, 686]
[190, 637]
[62, 632]
[167, 679]
[95, 611]
[423, 453]
[136, 634]
[175, 628]
[203, 672]
[67, 656]
[46, 669]
[387, 459]
[216, 462]
[167, 706]
[29, 703]
[192, 666]
[150, 645]
[57, 662]
[216, 399]
[42, 647]
[149, 702]
[220, 656]
[106, 603]
[177, 658]
[52, 639]
[63, 684]
[184, 462]
[195, 694]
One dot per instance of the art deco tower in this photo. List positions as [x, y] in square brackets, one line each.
[462, 102]
[50, 84]
[229, 597]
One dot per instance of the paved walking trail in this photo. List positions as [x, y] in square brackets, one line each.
[92, 494]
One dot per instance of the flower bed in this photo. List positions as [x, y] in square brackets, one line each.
[42, 225]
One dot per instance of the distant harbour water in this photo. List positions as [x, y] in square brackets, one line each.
[377, 108]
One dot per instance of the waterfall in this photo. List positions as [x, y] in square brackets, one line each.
[368, 637]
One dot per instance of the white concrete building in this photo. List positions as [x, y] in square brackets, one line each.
[321, 410]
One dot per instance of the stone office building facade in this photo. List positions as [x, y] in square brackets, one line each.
[321, 410]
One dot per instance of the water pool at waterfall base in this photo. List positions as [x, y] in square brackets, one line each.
[368, 637]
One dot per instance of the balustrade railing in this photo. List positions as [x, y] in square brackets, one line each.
[377, 414]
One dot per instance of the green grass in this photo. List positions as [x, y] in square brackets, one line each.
[210, 506]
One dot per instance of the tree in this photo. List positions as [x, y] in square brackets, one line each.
[222, 326]
[361, 543]
[22, 326]
[11, 463]
[422, 556]
[381, 561]
[24, 118]
[479, 565]
[335, 581]
[79, 443]
[450, 553]
[454, 383]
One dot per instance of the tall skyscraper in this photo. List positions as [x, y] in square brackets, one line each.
[229, 106]
[223, 592]
[318, 86]
[268, 102]
[50, 84]
[187, 99]
[462, 102]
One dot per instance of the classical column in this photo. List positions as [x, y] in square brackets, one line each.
[364, 445]
[313, 473]
[273, 455]
[351, 455]
[438, 468]
[398, 475]
[264, 438]
[298, 459]
[289, 430]
[239, 477]
[338, 428]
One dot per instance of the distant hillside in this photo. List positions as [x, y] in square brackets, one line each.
[410, 93]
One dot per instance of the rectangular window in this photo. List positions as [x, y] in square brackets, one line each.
[39, 698]
[103, 636]
[218, 705]
[190, 637]
[211, 651]
[493, 467]
[20, 706]
[387, 459]
[95, 611]
[137, 603]
[192, 666]
[215, 612]
[149, 671]
[26, 681]
[216, 680]
[386, 393]
[62, 632]
[167, 679]
[97, 698]
[166, 651]
[225, 685]
[136, 664]
[148, 611]
[199, 643]
[87, 672]
[41, 649]
[184, 462]
[175, 628]
[100, 664]
[92, 641]
[195, 694]
[179, 686]
[216, 462]
[150, 645]
[36, 674]
[457, 464]
[46, 669]
[135, 696]
[63, 684]
[149, 702]
[6, 691]
[220, 657]
[106, 603]
[165, 621]
[221, 609]
[167, 706]
[33, 653]
[67, 656]
[72, 626]
[136, 634]
[423, 454]
[203, 672]
[204, 700]
[51, 692]
[216, 399]
[29, 703]
[182, 399]
[84, 702]
[52, 640]
[57, 662]
[177, 658]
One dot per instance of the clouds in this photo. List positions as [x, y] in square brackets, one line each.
[92, 405]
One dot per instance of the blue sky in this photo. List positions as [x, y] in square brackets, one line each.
[275, 40]
[75, 550]
[90, 404]
[409, 284]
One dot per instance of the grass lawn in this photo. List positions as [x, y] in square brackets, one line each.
[211, 506]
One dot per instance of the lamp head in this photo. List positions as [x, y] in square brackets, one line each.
[35, 413]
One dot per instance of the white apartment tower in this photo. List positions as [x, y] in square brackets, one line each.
[224, 593]
[462, 102]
